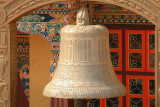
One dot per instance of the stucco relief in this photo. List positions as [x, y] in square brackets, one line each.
[141, 7]
[25, 6]
[157, 1]
[146, 8]
[3, 83]
[3, 65]
[2, 15]
[5, 2]
[13, 6]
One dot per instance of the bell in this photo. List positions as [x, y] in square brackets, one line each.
[84, 69]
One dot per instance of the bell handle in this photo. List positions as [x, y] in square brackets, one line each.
[82, 16]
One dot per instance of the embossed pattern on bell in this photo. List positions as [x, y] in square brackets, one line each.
[84, 68]
[81, 50]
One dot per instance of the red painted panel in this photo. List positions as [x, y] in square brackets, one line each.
[148, 96]
[149, 51]
[135, 95]
[145, 65]
[118, 49]
[127, 32]
[103, 102]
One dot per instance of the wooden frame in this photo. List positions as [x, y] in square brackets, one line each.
[136, 95]
[119, 50]
[127, 32]
[149, 51]
[147, 85]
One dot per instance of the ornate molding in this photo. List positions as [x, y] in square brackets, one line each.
[2, 15]
[157, 28]
[3, 65]
[25, 6]
[156, 1]
[5, 2]
[147, 8]
[3, 83]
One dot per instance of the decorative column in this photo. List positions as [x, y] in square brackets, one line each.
[157, 66]
[8, 66]
[4, 70]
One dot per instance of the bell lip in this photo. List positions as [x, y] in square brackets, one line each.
[106, 92]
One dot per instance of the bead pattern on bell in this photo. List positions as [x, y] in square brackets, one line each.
[84, 69]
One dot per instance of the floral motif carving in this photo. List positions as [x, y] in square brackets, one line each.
[5, 2]
[146, 8]
[29, 4]
[2, 1]
[142, 7]
[157, 1]
[3, 102]
[3, 83]
[3, 65]
[3, 51]
[2, 15]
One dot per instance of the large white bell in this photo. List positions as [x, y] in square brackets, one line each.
[84, 68]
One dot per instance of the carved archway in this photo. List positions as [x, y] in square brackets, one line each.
[10, 10]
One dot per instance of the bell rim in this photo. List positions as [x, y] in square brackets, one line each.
[85, 92]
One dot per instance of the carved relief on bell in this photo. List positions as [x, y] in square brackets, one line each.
[84, 68]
